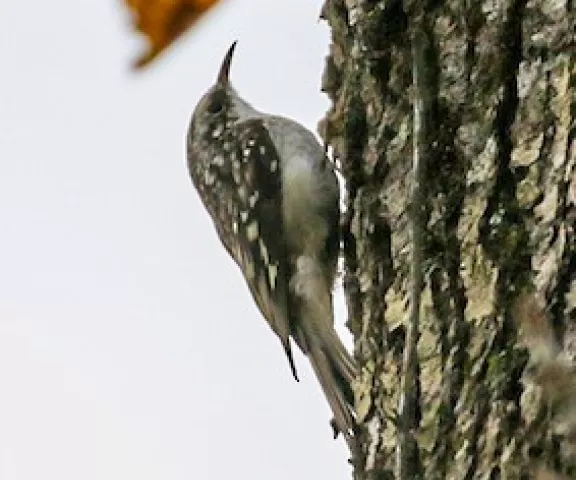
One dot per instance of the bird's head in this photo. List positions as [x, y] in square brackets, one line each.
[220, 107]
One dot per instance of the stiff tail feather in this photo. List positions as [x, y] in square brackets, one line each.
[315, 335]
[343, 420]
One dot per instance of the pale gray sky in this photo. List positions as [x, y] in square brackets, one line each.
[129, 345]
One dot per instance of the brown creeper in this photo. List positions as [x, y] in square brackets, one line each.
[273, 197]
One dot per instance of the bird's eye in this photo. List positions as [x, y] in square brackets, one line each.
[216, 104]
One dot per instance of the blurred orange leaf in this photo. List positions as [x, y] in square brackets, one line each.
[163, 21]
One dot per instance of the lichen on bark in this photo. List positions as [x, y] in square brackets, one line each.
[500, 214]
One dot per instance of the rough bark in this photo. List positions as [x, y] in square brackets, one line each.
[499, 215]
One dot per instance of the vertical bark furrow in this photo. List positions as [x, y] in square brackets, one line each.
[501, 209]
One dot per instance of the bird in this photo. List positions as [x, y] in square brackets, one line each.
[273, 197]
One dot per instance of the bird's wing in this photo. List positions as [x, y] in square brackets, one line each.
[250, 203]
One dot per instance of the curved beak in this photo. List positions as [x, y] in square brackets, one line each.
[225, 68]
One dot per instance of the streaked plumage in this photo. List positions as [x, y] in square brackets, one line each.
[273, 197]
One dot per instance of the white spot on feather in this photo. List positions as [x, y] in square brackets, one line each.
[209, 177]
[272, 275]
[217, 131]
[252, 231]
[248, 267]
[264, 252]
[243, 193]
[236, 174]
[253, 199]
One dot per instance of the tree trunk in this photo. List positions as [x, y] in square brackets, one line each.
[498, 215]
